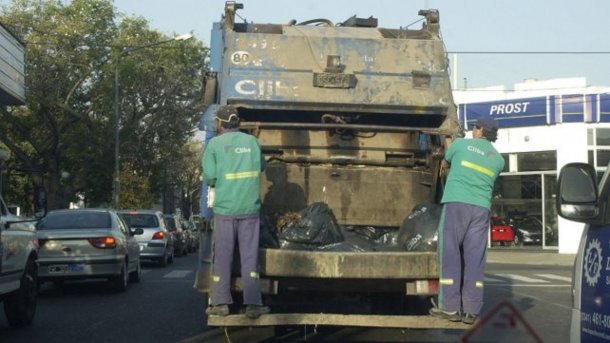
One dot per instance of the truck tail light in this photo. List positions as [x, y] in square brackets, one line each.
[103, 242]
[422, 287]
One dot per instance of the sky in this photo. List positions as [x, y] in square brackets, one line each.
[466, 25]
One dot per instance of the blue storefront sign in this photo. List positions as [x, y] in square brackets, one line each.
[509, 113]
[547, 110]
[604, 107]
[573, 108]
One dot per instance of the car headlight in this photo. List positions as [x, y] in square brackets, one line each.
[524, 233]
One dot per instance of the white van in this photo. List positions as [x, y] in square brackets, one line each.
[581, 199]
[18, 267]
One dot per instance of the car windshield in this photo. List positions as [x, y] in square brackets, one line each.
[171, 223]
[530, 224]
[140, 219]
[74, 220]
[498, 222]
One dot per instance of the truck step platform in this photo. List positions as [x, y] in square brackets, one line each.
[329, 319]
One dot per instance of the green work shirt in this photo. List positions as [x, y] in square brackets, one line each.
[232, 163]
[475, 165]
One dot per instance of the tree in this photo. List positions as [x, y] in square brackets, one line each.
[66, 127]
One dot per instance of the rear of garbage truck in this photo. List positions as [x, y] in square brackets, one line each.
[357, 118]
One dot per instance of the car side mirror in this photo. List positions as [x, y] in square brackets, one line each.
[40, 201]
[578, 193]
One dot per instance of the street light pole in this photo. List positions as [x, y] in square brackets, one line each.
[117, 169]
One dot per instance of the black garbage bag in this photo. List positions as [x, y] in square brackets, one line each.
[317, 227]
[354, 242]
[268, 237]
[419, 231]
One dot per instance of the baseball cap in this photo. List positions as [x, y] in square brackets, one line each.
[487, 123]
[227, 114]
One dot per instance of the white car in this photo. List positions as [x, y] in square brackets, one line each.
[581, 199]
[18, 268]
[88, 243]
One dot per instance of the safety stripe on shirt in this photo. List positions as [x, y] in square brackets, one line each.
[478, 168]
[241, 175]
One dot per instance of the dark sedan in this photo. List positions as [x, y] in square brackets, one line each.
[528, 230]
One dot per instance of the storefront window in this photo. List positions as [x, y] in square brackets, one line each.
[527, 203]
[603, 157]
[602, 137]
[537, 161]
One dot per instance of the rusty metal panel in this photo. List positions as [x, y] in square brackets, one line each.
[348, 265]
[358, 195]
[354, 320]
[265, 70]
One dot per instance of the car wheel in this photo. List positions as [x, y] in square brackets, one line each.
[119, 283]
[164, 260]
[171, 256]
[20, 306]
[136, 275]
[517, 241]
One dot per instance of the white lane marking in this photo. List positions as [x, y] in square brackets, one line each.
[555, 277]
[177, 274]
[522, 278]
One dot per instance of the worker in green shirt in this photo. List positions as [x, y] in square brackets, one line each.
[232, 164]
[464, 224]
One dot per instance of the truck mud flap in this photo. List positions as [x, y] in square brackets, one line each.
[347, 320]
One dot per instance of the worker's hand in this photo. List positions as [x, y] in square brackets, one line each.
[444, 168]
[257, 130]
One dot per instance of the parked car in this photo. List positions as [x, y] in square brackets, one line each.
[501, 232]
[528, 230]
[88, 243]
[172, 223]
[156, 243]
[191, 227]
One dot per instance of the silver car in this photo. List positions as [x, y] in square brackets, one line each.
[88, 243]
[156, 242]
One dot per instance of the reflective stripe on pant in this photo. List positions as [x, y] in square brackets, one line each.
[227, 229]
[463, 231]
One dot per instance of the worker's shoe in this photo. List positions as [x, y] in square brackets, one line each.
[468, 318]
[220, 310]
[255, 311]
[454, 316]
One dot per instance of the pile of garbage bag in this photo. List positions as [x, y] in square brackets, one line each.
[316, 228]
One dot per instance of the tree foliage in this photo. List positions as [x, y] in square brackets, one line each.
[73, 50]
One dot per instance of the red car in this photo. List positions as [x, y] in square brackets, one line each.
[501, 232]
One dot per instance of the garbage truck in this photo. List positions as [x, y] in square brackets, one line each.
[353, 116]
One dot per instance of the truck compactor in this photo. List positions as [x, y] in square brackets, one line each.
[352, 115]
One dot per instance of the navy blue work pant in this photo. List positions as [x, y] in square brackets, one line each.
[463, 232]
[227, 230]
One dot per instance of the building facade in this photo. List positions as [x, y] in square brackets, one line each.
[543, 126]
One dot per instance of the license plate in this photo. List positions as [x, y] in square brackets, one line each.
[67, 268]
